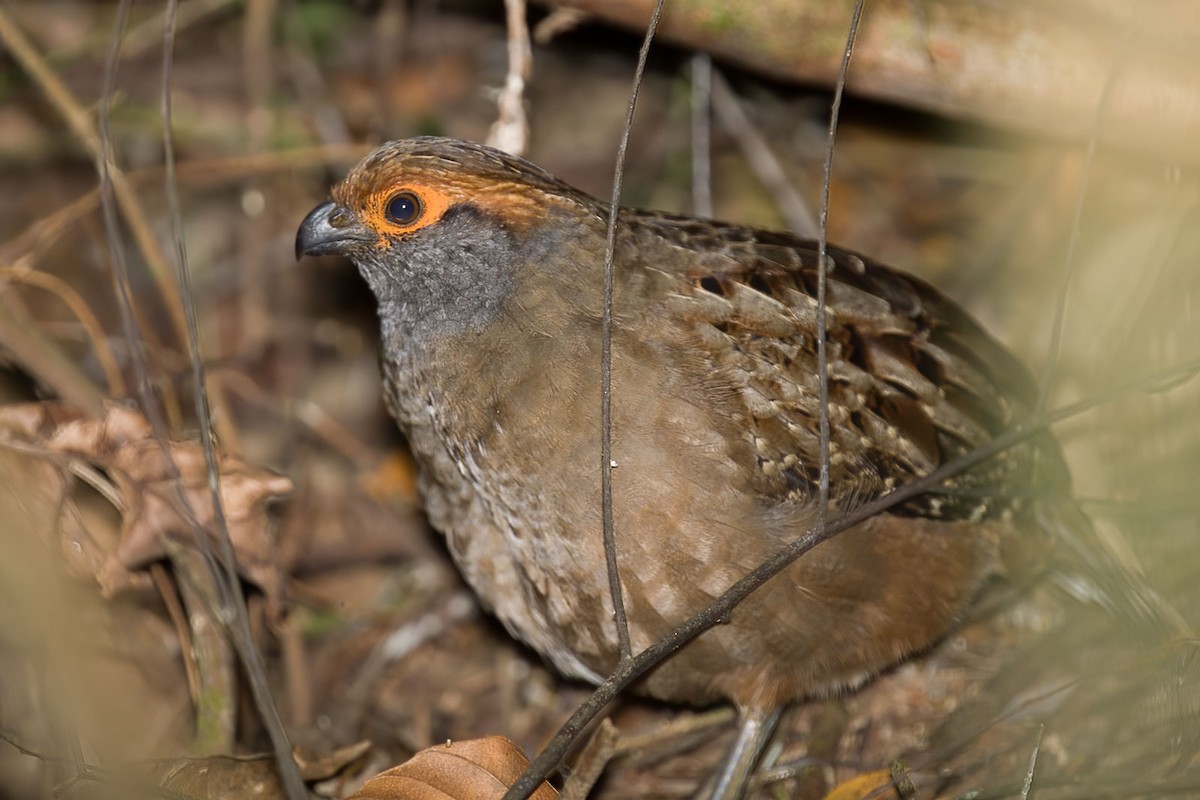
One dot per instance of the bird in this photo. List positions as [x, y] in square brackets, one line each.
[489, 272]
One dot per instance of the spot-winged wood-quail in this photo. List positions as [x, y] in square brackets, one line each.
[488, 275]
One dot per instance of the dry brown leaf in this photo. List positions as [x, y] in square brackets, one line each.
[474, 769]
[875, 784]
[143, 470]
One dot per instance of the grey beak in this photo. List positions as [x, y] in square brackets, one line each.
[330, 229]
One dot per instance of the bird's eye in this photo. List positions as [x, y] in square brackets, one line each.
[404, 208]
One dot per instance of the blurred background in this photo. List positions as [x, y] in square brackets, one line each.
[1028, 161]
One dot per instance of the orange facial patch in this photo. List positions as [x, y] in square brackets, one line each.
[370, 193]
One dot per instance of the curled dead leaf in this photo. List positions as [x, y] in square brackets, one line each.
[162, 488]
[474, 769]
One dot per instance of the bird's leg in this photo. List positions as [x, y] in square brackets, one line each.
[755, 728]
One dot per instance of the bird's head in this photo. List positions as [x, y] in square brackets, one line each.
[443, 229]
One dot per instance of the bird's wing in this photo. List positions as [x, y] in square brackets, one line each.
[914, 381]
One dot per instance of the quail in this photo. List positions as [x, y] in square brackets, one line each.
[488, 273]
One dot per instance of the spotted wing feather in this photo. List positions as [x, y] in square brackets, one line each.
[914, 381]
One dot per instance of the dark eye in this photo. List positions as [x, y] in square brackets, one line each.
[404, 208]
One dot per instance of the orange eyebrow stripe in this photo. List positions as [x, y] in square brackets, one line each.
[514, 203]
[520, 208]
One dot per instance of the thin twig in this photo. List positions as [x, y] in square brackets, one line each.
[766, 167]
[95, 479]
[179, 619]
[610, 247]
[822, 280]
[559, 21]
[234, 610]
[683, 728]
[1027, 786]
[510, 131]
[633, 668]
[112, 228]
[593, 759]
